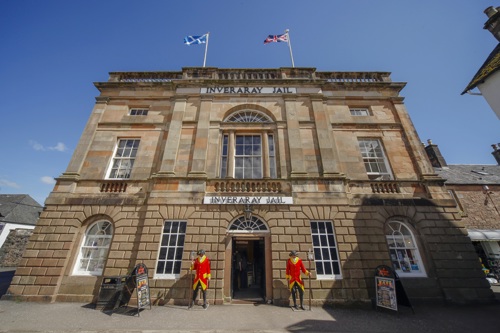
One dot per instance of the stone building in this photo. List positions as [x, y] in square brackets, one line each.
[18, 216]
[476, 190]
[259, 161]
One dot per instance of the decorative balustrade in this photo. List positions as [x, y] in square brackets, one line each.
[357, 77]
[247, 186]
[114, 186]
[385, 187]
[250, 74]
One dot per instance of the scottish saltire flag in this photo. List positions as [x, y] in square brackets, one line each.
[188, 40]
[276, 38]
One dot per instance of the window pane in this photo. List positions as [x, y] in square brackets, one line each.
[403, 251]
[325, 250]
[171, 248]
[123, 160]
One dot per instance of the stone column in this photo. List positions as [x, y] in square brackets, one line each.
[80, 153]
[433, 183]
[294, 140]
[326, 141]
[201, 141]
[265, 156]
[167, 168]
[230, 155]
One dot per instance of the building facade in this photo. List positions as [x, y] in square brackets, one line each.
[252, 163]
[487, 78]
[476, 189]
[17, 211]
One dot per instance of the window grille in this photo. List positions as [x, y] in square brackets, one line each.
[171, 249]
[326, 257]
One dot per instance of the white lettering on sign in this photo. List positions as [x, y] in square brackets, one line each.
[248, 90]
[248, 200]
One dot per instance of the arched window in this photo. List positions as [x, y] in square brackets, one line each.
[248, 116]
[248, 152]
[403, 249]
[94, 249]
[243, 225]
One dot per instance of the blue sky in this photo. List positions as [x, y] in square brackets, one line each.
[53, 51]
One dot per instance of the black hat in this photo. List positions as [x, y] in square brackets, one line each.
[293, 253]
[201, 251]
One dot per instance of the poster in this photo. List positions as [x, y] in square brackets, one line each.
[142, 291]
[386, 293]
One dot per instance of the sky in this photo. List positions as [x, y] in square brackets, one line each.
[53, 51]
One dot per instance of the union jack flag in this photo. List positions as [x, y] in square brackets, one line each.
[276, 38]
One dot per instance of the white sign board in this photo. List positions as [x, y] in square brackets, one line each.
[219, 200]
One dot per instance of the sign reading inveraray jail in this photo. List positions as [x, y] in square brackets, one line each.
[248, 90]
[248, 200]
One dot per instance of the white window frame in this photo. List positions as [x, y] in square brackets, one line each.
[326, 254]
[228, 152]
[248, 123]
[138, 112]
[375, 159]
[172, 243]
[359, 112]
[123, 156]
[403, 250]
[94, 247]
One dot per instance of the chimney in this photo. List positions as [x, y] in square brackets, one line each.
[493, 23]
[496, 152]
[437, 160]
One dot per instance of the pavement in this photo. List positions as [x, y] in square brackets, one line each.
[22, 317]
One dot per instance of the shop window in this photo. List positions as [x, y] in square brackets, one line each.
[326, 257]
[123, 159]
[169, 261]
[405, 256]
[248, 153]
[376, 164]
[94, 249]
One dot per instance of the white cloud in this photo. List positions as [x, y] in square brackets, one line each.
[48, 180]
[59, 147]
[8, 183]
[38, 146]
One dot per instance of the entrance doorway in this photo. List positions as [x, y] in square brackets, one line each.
[248, 282]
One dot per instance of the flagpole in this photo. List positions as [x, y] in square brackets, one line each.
[289, 46]
[206, 48]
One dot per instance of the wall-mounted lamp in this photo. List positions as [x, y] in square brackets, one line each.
[310, 254]
[247, 212]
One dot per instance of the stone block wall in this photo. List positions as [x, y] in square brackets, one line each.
[14, 246]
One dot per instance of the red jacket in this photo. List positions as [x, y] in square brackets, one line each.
[202, 268]
[293, 269]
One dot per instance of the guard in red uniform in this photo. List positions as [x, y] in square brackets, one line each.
[294, 266]
[202, 267]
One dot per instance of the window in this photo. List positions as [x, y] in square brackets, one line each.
[403, 250]
[124, 158]
[171, 248]
[248, 155]
[326, 256]
[139, 112]
[373, 155]
[94, 251]
[254, 224]
[359, 112]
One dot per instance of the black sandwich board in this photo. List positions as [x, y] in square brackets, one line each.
[116, 291]
[389, 291]
[140, 274]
